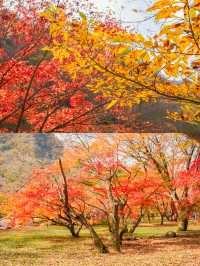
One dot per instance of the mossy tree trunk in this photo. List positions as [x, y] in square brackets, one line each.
[98, 243]
[116, 241]
[161, 219]
[74, 230]
[114, 219]
[183, 221]
[122, 232]
[183, 225]
[137, 222]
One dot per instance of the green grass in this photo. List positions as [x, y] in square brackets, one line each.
[161, 230]
[34, 246]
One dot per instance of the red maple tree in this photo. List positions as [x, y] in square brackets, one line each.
[37, 95]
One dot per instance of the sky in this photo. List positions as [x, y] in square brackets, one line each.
[124, 11]
[69, 139]
[122, 8]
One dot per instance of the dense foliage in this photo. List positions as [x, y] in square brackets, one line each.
[63, 70]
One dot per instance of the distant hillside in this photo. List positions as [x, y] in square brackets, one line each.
[20, 153]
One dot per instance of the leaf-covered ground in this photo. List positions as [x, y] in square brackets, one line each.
[53, 246]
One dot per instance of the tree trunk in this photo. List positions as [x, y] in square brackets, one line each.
[136, 223]
[67, 208]
[115, 227]
[115, 232]
[123, 231]
[161, 219]
[116, 240]
[97, 240]
[183, 224]
[114, 218]
[148, 218]
[73, 231]
[183, 221]
[74, 234]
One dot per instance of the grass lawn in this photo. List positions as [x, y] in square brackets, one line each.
[54, 246]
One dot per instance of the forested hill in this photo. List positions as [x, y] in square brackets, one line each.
[20, 153]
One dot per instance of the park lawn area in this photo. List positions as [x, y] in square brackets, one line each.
[53, 246]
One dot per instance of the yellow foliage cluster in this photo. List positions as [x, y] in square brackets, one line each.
[129, 68]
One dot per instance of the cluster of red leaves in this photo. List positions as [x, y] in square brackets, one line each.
[43, 198]
[105, 170]
[36, 94]
[189, 181]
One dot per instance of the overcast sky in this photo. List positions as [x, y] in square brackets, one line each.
[124, 11]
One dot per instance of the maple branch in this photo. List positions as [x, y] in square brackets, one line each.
[55, 109]
[75, 118]
[172, 97]
[27, 93]
[190, 25]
